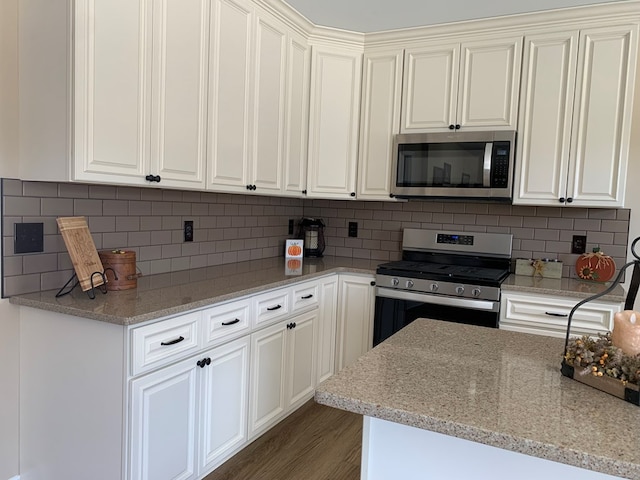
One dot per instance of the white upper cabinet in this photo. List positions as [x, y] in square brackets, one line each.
[258, 102]
[139, 92]
[229, 95]
[333, 121]
[575, 117]
[379, 121]
[296, 116]
[472, 84]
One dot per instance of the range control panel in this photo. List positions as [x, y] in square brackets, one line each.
[454, 239]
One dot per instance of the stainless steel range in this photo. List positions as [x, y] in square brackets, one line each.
[443, 275]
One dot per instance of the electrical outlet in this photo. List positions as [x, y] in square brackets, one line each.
[353, 229]
[291, 226]
[579, 244]
[29, 238]
[188, 230]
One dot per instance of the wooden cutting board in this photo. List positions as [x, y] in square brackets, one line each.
[82, 250]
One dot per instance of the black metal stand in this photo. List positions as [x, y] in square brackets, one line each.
[92, 291]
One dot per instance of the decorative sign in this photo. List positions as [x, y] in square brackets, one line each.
[293, 252]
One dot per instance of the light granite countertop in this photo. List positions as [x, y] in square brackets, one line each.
[564, 287]
[167, 294]
[161, 295]
[495, 387]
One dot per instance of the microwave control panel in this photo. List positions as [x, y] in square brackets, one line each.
[500, 164]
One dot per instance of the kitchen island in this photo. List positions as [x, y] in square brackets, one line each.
[445, 400]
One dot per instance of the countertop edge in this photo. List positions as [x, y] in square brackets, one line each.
[182, 308]
[555, 453]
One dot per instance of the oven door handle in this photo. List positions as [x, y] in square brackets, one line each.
[484, 305]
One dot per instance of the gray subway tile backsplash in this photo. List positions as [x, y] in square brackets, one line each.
[231, 228]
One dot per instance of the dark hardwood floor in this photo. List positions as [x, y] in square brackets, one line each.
[313, 443]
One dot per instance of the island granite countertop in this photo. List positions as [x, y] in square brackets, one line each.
[495, 387]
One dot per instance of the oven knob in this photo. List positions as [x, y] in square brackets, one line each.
[409, 283]
[434, 287]
[460, 290]
[475, 292]
[395, 282]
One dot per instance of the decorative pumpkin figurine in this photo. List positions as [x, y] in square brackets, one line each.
[595, 266]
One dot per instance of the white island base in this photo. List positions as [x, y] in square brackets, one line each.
[392, 451]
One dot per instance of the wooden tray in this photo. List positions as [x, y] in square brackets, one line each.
[82, 250]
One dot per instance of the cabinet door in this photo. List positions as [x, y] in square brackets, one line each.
[297, 116]
[430, 87]
[379, 122]
[333, 123]
[355, 318]
[489, 84]
[112, 90]
[178, 138]
[229, 95]
[225, 396]
[544, 128]
[267, 395]
[602, 116]
[162, 424]
[327, 314]
[268, 104]
[301, 358]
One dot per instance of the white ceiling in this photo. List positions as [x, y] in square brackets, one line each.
[378, 15]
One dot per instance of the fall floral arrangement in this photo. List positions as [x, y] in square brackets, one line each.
[602, 358]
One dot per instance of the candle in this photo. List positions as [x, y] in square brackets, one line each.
[626, 331]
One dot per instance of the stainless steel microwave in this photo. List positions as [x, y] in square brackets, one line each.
[454, 165]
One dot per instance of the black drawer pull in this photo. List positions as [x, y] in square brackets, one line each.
[232, 322]
[271, 309]
[556, 314]
[307, 297]
[172, 342]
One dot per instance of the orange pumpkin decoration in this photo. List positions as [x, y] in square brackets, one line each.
[595, 266]
[294, 263]
[294, 250]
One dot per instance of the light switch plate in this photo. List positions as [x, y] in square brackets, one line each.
[29, 238]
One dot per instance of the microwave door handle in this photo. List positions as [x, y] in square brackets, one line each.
[486, 170]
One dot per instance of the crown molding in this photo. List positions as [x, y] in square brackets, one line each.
[584, 15]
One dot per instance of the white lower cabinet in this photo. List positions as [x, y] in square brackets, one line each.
[283, 365]
[163, 419]
[176, 397]
[548, 315]
[355, 318]
[197, 405]
[224, 391]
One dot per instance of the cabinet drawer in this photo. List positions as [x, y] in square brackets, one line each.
[304, 297]
[164, 341]
[549, 315]
[271, 306]
[224, 322]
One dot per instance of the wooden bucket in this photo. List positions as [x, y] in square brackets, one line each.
[124, 265]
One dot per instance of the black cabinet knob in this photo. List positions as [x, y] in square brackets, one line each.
[569, 200]
[373, 284]
[457, 126]
[353, 194]
[152, 178]
[304, 192]
[248, 187]
[561, 199]
[451, 127]
[391, 195]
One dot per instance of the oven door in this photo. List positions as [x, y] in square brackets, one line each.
[396, 309]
